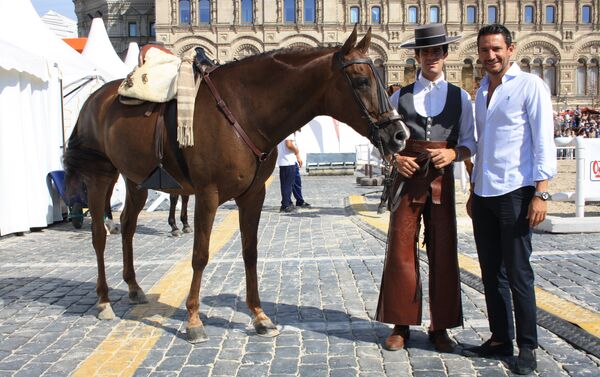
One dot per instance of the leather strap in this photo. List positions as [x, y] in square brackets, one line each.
[230, 117]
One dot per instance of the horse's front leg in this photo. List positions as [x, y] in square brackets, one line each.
[134, 203]
[172, 207]
[250, 207]
[98, 187]
[204, 216]
[110, 225]
[184, 214]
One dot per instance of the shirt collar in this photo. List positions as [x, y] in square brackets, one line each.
[428, 84]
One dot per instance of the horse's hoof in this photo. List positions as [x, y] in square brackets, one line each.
[187, 229]
[105, 312]
[196, 334]
[116, 229]
[176, 233]
[137, 297]
[265, 328]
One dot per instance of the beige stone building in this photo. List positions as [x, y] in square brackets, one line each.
[557, 40]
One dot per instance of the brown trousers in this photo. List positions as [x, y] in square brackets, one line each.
[429, 194]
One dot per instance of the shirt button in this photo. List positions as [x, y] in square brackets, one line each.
[428, 132]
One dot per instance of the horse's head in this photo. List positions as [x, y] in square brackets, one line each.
[361, 98]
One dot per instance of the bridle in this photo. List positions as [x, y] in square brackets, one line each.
[384, 106]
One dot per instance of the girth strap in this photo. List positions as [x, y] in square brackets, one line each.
[230, 117]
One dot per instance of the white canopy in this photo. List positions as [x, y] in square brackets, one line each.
[99, 50]
[61, 26]
[133, 52]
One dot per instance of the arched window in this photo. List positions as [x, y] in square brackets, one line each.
[468, 75]
[410, 70]
[525, 67]
[289, 11]
[581, 76]
[471, 15]
[309, 11]
[247, 11]
[376, 15]
[549, 74]
[528, 14]
[380, 69]
[434, 14]
[204, 6]
[184, 12]
[586, 14]
[354, 15]
[592, 78]
[491, 15]
[536, 67]
[550, 14]
[413, 15]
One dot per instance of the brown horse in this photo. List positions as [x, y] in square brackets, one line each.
[271, 95]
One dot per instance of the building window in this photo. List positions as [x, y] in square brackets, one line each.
[247, 11]
[525, 67]
[592, 76]
[580, 76]
[184, 11]
[491, 15]
[549, 75]
[152, 29]
[289, 11]
[410, 70]
[354, 15]
[468, 77]
[434, 14]
[375, 15]
[587, 75]
[413, 15]
[586, 14]
[549, 14]
[528, 15]
[133, 32]
[204, 6]
[471, 15]
[309, 11]
[379, 70]
[536, 67]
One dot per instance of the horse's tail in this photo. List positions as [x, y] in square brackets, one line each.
[80, 161]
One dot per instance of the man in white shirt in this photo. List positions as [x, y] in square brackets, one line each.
[515, 159]
[440, 118]
[290, 162]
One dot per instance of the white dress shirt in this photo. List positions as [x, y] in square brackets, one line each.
[515, 134]
[429, 99]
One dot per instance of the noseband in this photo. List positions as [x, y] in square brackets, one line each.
[384, 104]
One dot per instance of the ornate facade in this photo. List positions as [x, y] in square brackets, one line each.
[557, 40]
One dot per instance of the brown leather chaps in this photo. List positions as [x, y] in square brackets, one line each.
[428, 193]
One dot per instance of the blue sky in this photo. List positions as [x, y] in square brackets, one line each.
[64, 7]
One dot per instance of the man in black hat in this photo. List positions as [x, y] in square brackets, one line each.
[440, 119]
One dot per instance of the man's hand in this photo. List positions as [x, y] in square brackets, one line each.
[470, 204]
[406, 166]
[299, 159]
[442, 157]
[537, 211]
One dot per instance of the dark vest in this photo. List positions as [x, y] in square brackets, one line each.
[442, 127]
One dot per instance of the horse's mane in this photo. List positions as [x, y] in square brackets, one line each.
[302, 54]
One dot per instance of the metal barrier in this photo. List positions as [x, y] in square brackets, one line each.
[330, 163]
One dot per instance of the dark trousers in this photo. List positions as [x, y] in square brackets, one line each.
[297, 187]
[503, 240]
[290, 183]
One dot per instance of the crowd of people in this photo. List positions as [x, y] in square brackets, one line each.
[577, 122]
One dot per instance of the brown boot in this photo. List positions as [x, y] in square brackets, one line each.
[441, 341]
[396, 340]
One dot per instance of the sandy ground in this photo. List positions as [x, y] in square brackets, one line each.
[563, 182]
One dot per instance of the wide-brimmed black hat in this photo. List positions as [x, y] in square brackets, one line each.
[430, 35]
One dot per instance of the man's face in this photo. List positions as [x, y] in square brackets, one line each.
[431, 60]
[494, 53]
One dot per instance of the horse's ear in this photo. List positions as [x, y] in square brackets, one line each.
[363, 45]
[349, 44]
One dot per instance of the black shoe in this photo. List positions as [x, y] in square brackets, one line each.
[488, 350]
[287, 209]
[303, 205]
[526, 361]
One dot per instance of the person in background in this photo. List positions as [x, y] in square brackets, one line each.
[290, 162]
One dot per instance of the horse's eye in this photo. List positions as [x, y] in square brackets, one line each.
[361, 82]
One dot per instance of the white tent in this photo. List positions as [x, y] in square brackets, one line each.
[133, 52]
[32, 62]
[99, 50]
[61, 26]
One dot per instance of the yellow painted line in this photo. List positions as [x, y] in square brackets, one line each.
[128, 344]
[587, 319]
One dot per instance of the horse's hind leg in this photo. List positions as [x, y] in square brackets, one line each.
[172, 222]
[134, 203]
[184, 214]
[250, 206]
[97, 187]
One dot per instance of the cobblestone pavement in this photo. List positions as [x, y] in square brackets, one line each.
[319, 274]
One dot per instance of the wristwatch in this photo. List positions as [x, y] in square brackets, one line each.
[542, 195]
